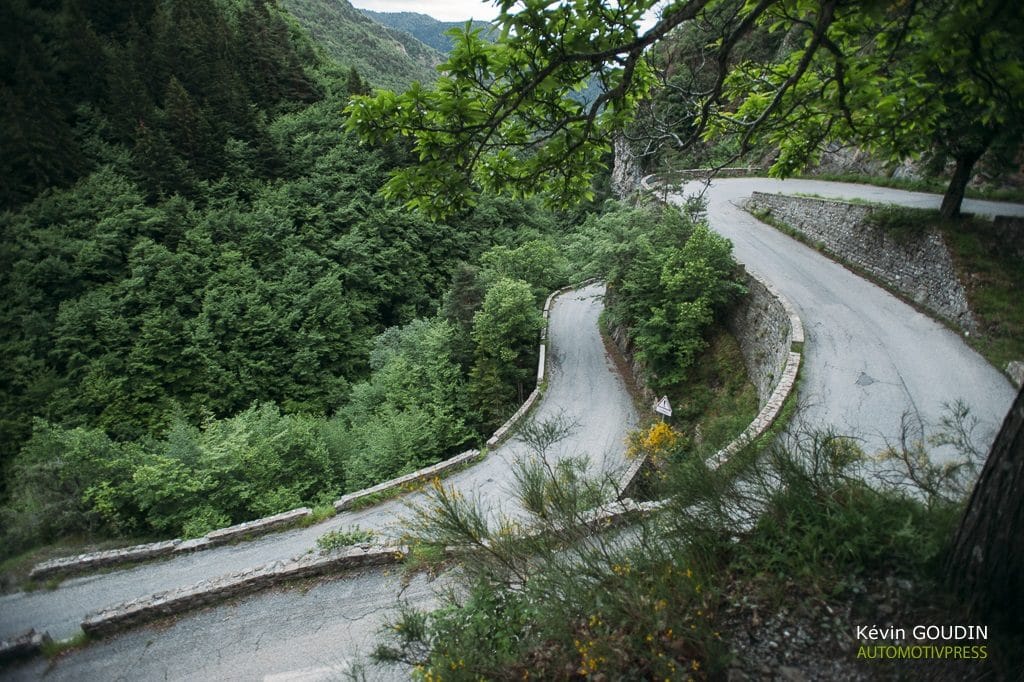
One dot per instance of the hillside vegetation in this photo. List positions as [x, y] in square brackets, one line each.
[422, 27]
[208, 312]
[387, 58]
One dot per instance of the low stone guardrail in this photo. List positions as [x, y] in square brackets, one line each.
[112, 557]
[766, 417]
[173, 602]
[768, 413]
[162, 604]
[125, 555]
[730, 172]
[648, 182]
[349, 500]
[771, 408]
[427, 473]
[23, 646]
[222, 535]
[505, 428]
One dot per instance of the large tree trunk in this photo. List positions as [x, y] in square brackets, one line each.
[954, 196]
[986, 566]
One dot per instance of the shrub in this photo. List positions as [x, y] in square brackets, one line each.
[550, 597]
[338, 539]
[668, 278]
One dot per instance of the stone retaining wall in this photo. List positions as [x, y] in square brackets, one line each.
[767, 328]
[764, 324]
[920, 268]
[771, 337]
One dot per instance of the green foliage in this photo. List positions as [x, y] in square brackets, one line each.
[174, 82]
[812, 511]
[385, 57]
[900, 80]
[669, 279]
[505, 334]
[409, 414]
[195, 266]
[827, 528]
[68, 481]
[503, 115]
[191, 481]
[52, 649]
[552, 597]
[538, 262]
[994, 287]
[717, 401]
[339, 539]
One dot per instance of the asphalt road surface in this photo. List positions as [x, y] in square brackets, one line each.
[869, 358]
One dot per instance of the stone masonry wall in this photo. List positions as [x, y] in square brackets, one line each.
[762, 326]
[771, 337]
[919, 268]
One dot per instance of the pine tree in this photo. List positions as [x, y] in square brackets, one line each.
[354, 84]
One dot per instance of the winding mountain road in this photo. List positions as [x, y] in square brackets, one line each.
[869, 359]
[584, 389]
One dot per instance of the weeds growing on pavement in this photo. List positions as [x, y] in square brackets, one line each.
[338, 539]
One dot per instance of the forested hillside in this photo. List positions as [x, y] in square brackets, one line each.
[209, 313]
[387, 58]
[422, 27]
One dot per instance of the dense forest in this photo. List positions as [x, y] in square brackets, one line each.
[211, 313]
[208, 312]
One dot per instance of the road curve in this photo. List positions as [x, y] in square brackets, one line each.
[583, 386]
[869, 358]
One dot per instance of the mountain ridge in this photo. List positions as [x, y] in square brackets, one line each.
[384, 56]
[423, 27]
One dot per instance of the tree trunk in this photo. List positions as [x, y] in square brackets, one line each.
[954, 196]
[986, 565]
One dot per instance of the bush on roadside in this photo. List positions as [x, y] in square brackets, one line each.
[554, 597]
